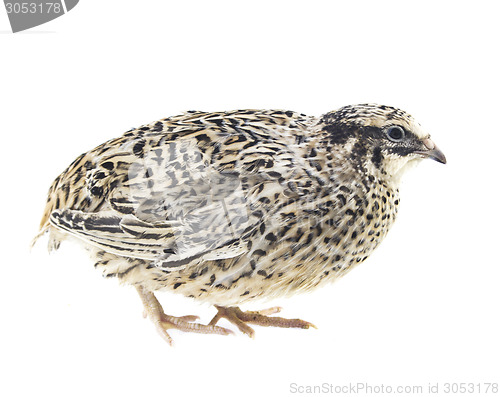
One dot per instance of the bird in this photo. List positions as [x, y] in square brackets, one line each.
[237, 206]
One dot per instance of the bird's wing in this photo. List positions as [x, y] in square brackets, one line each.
[170, 201]
[166, 244]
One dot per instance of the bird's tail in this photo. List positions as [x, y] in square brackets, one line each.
[43, 230]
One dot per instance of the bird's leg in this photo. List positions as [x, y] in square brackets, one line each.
[240, 318]
[163, 322]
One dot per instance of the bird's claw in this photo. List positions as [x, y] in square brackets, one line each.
[164, 322]
[240, 318]
[186, 324]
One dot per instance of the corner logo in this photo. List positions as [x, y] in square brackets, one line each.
[26, 14]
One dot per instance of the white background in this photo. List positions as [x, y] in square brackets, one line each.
[423, 309]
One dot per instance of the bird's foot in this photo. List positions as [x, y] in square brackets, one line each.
[164, 322]
[261, 317]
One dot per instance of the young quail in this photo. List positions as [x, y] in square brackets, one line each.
[228, 207]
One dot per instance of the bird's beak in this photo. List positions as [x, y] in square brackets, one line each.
[432, 151]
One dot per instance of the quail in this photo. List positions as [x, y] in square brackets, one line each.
[229, 207]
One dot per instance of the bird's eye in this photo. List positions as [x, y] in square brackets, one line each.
[395, 133]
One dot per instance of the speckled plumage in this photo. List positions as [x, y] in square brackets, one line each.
[228, 207]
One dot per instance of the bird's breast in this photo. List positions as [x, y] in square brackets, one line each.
[341, 231]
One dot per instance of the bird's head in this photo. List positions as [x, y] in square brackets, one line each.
[380, 140]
